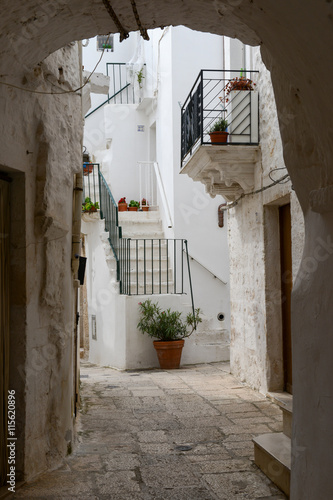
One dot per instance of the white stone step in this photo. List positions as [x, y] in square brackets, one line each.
[149, 289]
[155, 274]
[285, 401]
[142, 233]
[156, 265]
[272, 454]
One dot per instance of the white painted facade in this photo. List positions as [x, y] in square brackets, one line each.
[173, 59]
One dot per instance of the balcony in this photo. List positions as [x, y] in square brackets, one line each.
[226, 168]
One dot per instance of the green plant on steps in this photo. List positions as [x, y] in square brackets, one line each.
[166, 325]
[134, 203]
[89, 206]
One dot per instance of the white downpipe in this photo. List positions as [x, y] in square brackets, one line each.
[148, 179]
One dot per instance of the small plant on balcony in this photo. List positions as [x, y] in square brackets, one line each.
[220, 125]
[89, 206]
[238, 83]
[140, 77]
[218, 133]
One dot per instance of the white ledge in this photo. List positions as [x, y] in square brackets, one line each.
[225, 170]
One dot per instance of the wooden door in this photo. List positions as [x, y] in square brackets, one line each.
[286, 287]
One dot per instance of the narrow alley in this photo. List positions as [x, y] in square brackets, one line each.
[157, 435]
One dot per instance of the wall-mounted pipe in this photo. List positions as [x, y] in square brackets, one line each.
[76, 226]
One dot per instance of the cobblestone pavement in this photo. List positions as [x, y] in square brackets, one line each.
[164, 435]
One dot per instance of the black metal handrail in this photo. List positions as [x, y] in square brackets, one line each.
[208, 101]
[145, 266]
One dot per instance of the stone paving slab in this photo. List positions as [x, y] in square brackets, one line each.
[163, 435]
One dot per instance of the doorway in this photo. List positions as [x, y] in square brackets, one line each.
[286, 288]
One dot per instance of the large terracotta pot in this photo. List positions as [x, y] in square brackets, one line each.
[122, 207]
[216, 137]
[169, 353]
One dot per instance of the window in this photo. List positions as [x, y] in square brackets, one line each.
[105, 42]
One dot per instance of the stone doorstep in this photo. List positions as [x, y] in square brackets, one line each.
[272, 454]
[285, 402]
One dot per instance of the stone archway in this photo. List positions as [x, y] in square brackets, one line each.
[294, 38]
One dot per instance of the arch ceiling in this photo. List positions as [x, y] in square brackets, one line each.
[288, 33]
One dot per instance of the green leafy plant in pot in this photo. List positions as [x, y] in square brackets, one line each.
[170, 330]
[218, 132]
[89, 206]
[133, 206]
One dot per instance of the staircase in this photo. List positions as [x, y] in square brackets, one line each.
[149, 256]
[272, 452]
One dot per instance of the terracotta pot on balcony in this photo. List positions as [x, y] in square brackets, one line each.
[216, 137]
[132, 209]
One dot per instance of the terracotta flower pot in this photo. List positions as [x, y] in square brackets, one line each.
[87, 168]
[132, 209]
[216, 137]
[169, 353]
[145, 208]
[122, 207]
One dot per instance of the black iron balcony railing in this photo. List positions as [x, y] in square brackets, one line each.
[210, 99]
[144, 266]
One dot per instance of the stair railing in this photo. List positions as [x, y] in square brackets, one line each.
[145, 266]
[151, 187]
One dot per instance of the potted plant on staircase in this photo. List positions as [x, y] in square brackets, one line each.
[133, 206]
[169, 329]
[218, 132]
[122, 205]
[89, 206]
[144, 205]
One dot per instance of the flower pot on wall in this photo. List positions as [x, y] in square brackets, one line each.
[216, 137]
[132, 209]
[169, 353]
[145, 208]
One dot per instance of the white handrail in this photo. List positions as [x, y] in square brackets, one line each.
[162, 194]
[148, 188]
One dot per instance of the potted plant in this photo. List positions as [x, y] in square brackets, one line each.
[237, 83]
[170, 330]
[133, 206]
[87, 168]
[89, 206]
[144, 205]
[218, 131]
[122, 205]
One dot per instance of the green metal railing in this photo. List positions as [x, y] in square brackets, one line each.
[145, 266]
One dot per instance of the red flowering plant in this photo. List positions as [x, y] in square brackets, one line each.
[144, 202]
[122, 200]
[237, 83]
[166, 325]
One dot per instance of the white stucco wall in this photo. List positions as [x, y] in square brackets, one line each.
[41, 151]
[118, 342]
[255, 292]
[173, 60]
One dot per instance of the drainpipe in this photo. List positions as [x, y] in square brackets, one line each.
[76, 227]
